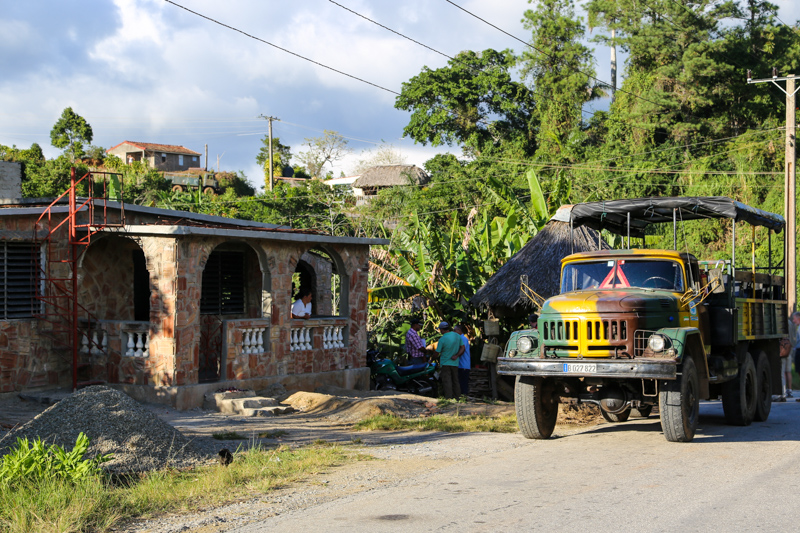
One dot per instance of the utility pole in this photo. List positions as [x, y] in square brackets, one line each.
[613, 63]
[271, 173]
[790, 185]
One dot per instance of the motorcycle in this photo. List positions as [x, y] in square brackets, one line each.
[422, 379]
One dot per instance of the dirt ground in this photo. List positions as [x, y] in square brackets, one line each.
[328, 415]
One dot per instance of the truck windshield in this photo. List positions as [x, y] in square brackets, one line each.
[621, 273]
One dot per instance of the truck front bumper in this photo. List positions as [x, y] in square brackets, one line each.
[603, 368]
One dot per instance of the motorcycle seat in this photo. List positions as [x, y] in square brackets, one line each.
[411, 369]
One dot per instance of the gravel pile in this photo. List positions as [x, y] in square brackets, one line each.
[116, 424]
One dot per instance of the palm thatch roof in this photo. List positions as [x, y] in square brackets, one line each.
[391, 176]
[540, 261]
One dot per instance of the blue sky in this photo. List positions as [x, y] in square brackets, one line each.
[148, 71]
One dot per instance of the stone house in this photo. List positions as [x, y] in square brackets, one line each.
[163, 157]
[169, 305]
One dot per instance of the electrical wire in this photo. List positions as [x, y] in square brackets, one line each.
[591, 76]
[281, 48]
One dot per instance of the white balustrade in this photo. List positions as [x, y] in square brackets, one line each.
[253, 340]
[137, 343]
[98, 345]
[302, 338]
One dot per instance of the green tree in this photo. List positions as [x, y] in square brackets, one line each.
[473, 102]
[320, 151]
[560, 69]
[70, 133]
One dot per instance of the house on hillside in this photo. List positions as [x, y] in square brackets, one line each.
[383, 176]
[164, 157]
[169, 305]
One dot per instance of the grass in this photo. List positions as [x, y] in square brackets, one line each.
[97, 505]
[448, 424]
[443, 402]
[278, 433]
[228, 435]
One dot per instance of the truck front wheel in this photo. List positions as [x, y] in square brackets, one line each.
[680, 409]
[536, 403]
[740, 394]
[177, 188]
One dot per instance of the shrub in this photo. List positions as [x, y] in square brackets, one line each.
[38, 462]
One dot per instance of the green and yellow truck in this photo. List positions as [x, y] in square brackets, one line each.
[636, 328]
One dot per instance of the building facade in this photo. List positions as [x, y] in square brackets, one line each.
[164, 157]
[168, 305]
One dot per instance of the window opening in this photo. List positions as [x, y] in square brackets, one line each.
[223, 284]
[20, 276]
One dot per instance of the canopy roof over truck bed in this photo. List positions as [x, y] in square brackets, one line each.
[613, 215]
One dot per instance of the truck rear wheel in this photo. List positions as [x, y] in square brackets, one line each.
[616, 417]
[680, 409]
[740, 394]
[536, 403]
[763, 388]
[177, 188]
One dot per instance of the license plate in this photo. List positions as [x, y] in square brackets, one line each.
[580, 368]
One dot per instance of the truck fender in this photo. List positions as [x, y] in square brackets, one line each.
[689, 343]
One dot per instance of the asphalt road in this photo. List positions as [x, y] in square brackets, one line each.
[611, 478]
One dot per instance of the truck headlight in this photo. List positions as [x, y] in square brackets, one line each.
[656, 342]
[525, 344]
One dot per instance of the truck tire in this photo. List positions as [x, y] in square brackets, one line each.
[536, 404]
[763, 388]
[680, 409]
[740, 394]
[209, 190]
[616, 417]
[177, 188]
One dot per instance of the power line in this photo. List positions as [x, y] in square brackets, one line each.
[282, 49]
[451, 58]
[601, 82]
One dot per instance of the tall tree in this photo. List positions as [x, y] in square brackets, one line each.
[70, 133]
[320, 151]
[474, 102]
[385, 155]
[560, 69]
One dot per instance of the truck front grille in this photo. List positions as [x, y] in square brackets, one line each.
[592, 337]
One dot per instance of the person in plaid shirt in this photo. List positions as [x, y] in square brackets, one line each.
[415, 345]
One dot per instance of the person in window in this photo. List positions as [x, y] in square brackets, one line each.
[302, 306]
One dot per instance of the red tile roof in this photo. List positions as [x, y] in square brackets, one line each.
[154, 147]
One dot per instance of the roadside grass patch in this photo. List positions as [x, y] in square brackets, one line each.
[278, 433]
[96, 504]
[445, 423]
[443, 402]
[228, 435]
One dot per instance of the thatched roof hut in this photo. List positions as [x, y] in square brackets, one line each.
[540, 261]
[381, 176]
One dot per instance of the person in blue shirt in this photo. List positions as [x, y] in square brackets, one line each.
[464, 361]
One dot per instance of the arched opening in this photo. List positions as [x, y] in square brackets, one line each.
[114, 289]
[233, 286]
[322, 272]
[114, 281]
